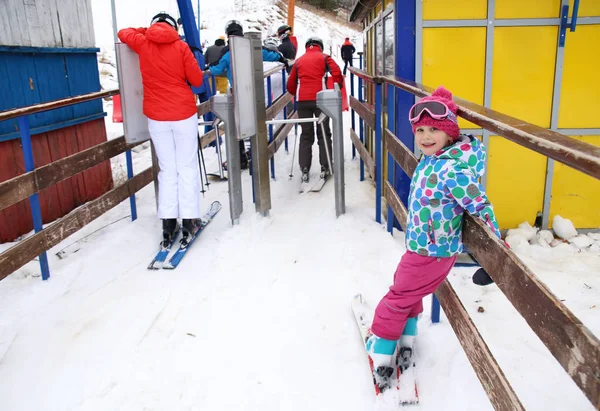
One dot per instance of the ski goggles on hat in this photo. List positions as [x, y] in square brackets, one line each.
[164, 18]
[436, 110]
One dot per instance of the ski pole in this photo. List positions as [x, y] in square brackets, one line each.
[293, 156]
[216, 124]
[202, 190]
[203, 162]
[323, 118]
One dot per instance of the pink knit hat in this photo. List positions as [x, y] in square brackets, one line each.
[449, 125]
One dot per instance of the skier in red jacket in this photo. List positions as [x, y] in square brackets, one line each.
[306, 79]
[167, 66]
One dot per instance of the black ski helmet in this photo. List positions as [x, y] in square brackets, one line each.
[163, 17]
[282, 29]
[234, 28]
[314, 41]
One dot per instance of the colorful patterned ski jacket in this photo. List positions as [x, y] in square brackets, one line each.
[443, 186]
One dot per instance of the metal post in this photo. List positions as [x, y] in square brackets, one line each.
[285, 113]
[260, 148]
[435, 309]
[361, 125]
[34, 202]
[222, 106]
[128, 158]
[391, 165]
[378, 152]
[330, 103]
[353, 113]
[269, 102]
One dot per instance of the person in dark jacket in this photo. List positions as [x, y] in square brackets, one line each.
[234, 28]
[213, 55]
[347, 53]
[307, 79]
[286, 48]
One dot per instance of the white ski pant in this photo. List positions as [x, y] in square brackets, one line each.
[176, 144]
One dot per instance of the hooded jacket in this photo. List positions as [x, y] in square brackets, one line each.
[308, 72]
[443, 186]
[213, 53]
[167, 66]
[347, 50]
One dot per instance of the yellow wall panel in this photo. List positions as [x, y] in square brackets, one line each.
[460, 69]
[587, 8]
[515, 182]
[576, 195]
[454, 10]
[523, 72]
[580, 90]
[387, 3]
[528, 9]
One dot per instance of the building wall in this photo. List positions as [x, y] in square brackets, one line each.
[506, 54]
[47, 53]
[47, 23]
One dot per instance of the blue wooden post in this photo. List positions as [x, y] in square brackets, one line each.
[435, 309]
[391, 162]
[285, 113]
[269, 102]
[129, 177]
[361, 124]
[34, 201]
[378, 152]
[353, 113]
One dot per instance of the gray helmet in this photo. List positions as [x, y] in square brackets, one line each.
[163, 17]
[271, 43]
[314, 41]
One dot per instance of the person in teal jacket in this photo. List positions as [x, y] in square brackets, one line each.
[445, 184]
[223, 66]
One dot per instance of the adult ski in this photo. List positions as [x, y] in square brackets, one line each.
[319, 184]
[158, 261]
[403, 388]
[176, 258]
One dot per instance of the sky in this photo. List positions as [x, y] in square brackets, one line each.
[257, 316]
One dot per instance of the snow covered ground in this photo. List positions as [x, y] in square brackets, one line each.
[257, 316]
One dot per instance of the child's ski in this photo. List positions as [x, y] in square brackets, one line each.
[174, 261]
[403, 381]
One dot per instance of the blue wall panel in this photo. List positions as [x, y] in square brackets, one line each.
[405, 12]
[40, 75]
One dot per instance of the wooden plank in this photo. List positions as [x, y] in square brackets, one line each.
[204, 108]
[21, 187]
[575, 348]
[395, 203]
[26, 250]
[403, 156]
[363, 153]
[51, 105]
[278, 105]
[581, 156]
[211, 136]
[493, 380]
[280, 135]
[363, 111]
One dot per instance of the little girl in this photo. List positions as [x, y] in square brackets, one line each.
[444, 185]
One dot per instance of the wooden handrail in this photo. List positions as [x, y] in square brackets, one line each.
[19, 188]
[363, 153]
[51, 105]
[280, 135]
[572, 344]
[364, 111]
[574, 153]
[26, 250]
[363, 75]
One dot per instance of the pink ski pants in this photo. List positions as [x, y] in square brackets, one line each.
[416, 277]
